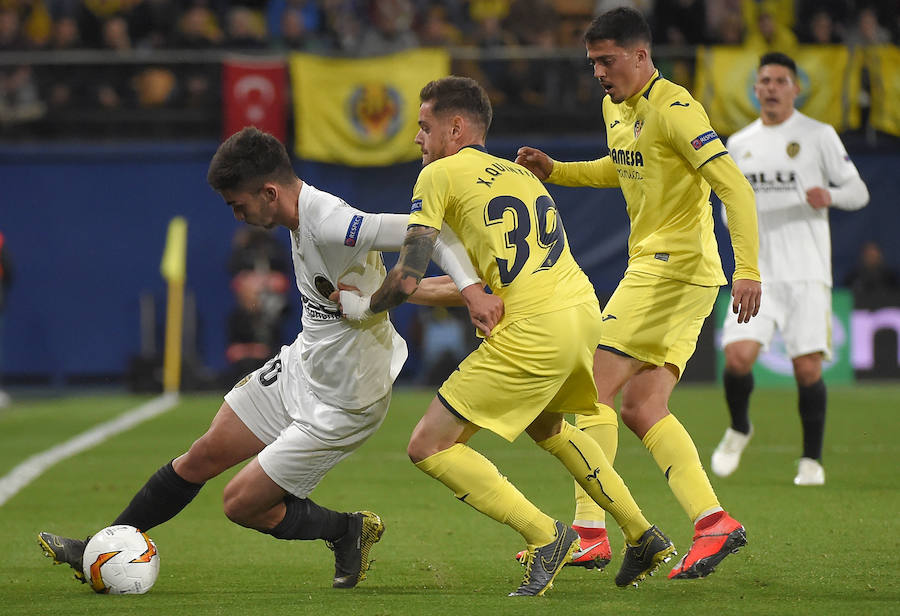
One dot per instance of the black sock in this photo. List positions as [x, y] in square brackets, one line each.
[303, 519]
[812, 400]
[161, 498]
[737, 396]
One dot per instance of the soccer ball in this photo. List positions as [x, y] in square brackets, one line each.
[121, 560]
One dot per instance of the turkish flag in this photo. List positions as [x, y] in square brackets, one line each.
[254, 93]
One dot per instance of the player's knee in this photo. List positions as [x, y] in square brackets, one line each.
[807, 375]
[237, 508]
[201, 462]
[738, 363]
[416, 450]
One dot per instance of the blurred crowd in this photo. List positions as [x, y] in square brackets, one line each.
[373, 27]
[368, 27]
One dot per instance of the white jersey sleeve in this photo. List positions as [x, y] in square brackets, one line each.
[848, 191]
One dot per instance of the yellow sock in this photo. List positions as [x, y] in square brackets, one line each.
[585, 460]
[604, 429]
[676, 456]
[477, 482]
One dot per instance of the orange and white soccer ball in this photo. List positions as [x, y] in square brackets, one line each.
[121, 560]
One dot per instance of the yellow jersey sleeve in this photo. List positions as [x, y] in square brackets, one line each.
[739, 201]
[599, 173]
[690, 134]
[431, 197]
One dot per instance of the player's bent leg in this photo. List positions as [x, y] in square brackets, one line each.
[437, 447]
[581, 455]
[740, 355]
[227, 442]
[252, 499]
[590, 519]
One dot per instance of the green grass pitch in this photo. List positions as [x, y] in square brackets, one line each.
[830, 550]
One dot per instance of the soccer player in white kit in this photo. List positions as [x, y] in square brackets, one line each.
[320, 398]
[798, 168]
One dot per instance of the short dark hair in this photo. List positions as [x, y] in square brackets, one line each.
[247, 160]
[623, 25]
[781, 59]
[459, 94]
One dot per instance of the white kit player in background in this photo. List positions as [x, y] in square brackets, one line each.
[320, 398]
[798, 168]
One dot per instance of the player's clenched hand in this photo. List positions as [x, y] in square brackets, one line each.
[747, 295]
[535, 161]
[485, 310]
[353, 305]
[818, 197]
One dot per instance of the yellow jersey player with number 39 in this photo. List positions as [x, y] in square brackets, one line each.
[536, 365]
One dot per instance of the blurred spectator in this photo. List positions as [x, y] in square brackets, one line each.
[258, 264]
[245, 29]
[153, 24]
[725, 22]
[872, 278]
[532, 22]
[306, 12]
[341, 23]
[481, 10]
[63, 83]
[11, 37]
[644, 6]
[820, 30]
[868, 30]
[442, 334]
[198, 28]
[769, 34]
[6, 277]
[112, 84]
[390, 30]
[680, 22]
[436, 29]
[294, 35]
[20, 99]
[257, 250]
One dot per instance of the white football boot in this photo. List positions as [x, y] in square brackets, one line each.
[809, 473]
[727, 456]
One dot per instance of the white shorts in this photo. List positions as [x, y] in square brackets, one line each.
[304, 436]
[800, 311]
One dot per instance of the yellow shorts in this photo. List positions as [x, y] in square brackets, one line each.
[543, 363]
[656, 320]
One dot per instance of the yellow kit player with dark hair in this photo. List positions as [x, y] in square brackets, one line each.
[664, 156]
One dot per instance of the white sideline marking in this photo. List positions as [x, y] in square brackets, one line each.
[31, 468]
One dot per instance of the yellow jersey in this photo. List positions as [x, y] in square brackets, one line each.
[658, 139]
[510, 227]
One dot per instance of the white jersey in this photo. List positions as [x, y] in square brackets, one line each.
[782, 162]
[347, 364]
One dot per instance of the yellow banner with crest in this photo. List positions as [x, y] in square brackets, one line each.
[361, 111]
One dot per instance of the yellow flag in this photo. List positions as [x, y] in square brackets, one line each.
[883, 63]
[361, 111]
[827, 74]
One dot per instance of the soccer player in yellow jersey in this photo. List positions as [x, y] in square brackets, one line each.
[664, 156]
[536, 364]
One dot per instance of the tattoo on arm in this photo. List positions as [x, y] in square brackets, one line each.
[403, 280]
